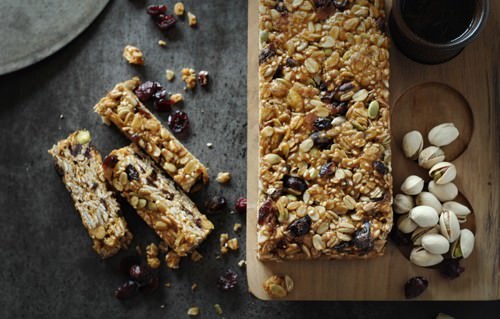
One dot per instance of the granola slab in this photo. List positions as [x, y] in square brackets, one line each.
[325, 184]
[122, 107]
[80, 166]
[166, 209]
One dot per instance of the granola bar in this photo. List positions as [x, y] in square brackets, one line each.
[166, 209]
[80, 166]
[122, 107]
[325, 184]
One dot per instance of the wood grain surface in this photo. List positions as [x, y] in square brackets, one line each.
[465, 91]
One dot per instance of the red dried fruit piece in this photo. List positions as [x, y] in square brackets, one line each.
[215, 203]
[450, 268]
[294, 185]
[362, 238]
[146, 90]
[178, 122]
[322, 123]
[127, 290]
[127, 262]
[228, 280]
[141, 274]
[161, 100]
[203, 78]
[132, 173]
[380, 167]
[267, 212]
[415, 286]
[110, 161]
[241, 205]
[267, 53]
[166, 22]
[321, 140]
[326, 169]
[151, 287]
[155, 10]
[300, 226]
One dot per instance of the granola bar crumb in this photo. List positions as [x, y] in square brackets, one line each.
[278, 286]
[172, 260]
[162, 43]
[223, 177]
[152, 256]
[193, 311]
[193, 21]
[189, 77]
[233, 244]
[168, 285]
[170, 75]
[210, 145]
[179, 9]
[242, 263]
[237, 227]
[176, 98]
[196, 256]
[194, 286]
[224, 237]
[218, 309]
[133, 55]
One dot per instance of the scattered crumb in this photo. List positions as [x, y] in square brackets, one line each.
[218, 257]
[193, 311]
[162, 306]
[176, 98]
[162, 43]
[242, 263]
[168, 285]
[193, 21]
[133, 55]
[172, 260]
[61, 116]
[278, 286]
[237, 227]
[194, 286]
[226, 243]
[152, 256]
[233, 244]
[210, 145]
[170, 75]
[218, 309]
[196, 256]
[179, 9]
[232, 212]
[189, 77]
[223, 177]
[203, 78]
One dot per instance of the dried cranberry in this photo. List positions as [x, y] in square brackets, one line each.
[300, 226]
[267, 53]
[141, 274]
[415, 286]
[132, 173]
[151, 287]
[340, 4]
[203, 78]
[161, 100]
[322, 3]
[340, 108]
[127, 262]
[278, 73]
[241, 205]
[291, 62]
[155, 10]
[146, 90]
[294, 185]
[110, 161]
[228, 280]
[362, 238]
[450, 268]
[215, 203]
[380, 167]
[127, 290]
[322, 123]
[328, 97]
[166, 22]
[321, 140]
[267, 212]
[346, 86]
[326, 169]
[280, 7]
[178, 122]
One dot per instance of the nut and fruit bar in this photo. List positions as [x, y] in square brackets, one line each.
[123, 108]
[80, 166]
[325, 184]
[163, 206]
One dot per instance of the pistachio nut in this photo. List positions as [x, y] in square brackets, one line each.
[412, 144]
[449, 226]
[421, 257]
[443, 134]
[463, 247]
[402, 203]
[406, 225]
[443, 173]
[429, 156]
[416, 236]
[424, 216]
[412, 185]
[83, 137]
[435, 243]
[460, 210]
[429, 199]
[443, 192]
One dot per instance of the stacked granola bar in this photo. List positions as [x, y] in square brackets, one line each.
[80, 166]
[325, 185]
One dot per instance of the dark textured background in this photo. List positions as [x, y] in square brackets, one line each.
[48, 269]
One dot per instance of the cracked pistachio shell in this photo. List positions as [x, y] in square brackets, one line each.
[428, 199]
[443, 173]
[449, 225]
[424, 216]
[430, 156]
[412, 185]
[459, 209]
[406, 225]
[464, 246]
[420, 257]
[403, 203]
[435, 243]
[412, 144]
[416, 236]
[443, 192]
[443, 134]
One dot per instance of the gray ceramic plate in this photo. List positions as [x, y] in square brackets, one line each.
[31, 30]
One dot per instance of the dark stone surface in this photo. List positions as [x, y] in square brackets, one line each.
[48, 267]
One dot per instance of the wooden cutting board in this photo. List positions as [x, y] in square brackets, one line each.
[464, 91]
